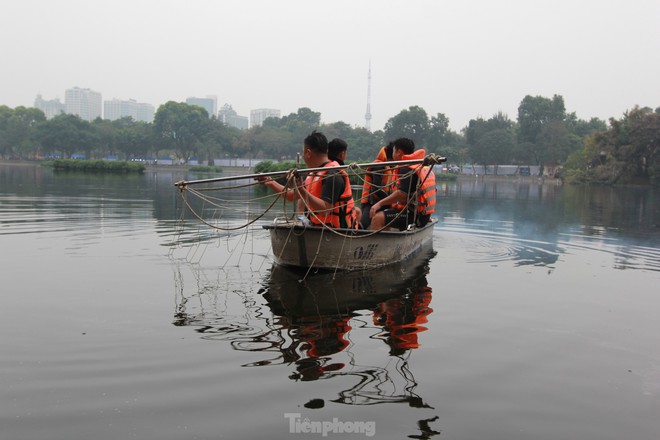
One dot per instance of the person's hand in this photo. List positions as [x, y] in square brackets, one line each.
[299, 181]
[294, 178]
[374, 209]
[264, 180]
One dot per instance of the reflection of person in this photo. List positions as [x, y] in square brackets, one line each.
[376, 185]
[403, 318]
[321, 337]
[414, 198]
[326, 195]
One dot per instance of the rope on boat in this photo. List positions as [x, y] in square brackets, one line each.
[189, 188]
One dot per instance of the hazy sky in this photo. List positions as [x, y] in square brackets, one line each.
[462, 58]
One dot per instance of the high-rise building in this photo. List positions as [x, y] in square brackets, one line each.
[85, 103]
[227, 115]
[50, 107]
[145, 112]
[117, 109]
[210, 103]
[258, 116]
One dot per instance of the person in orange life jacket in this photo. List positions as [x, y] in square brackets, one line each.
[337, 150]
[409, 178]
[327, 194]
[376, 184]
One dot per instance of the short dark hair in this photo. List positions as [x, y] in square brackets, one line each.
[405, 144]
[317, 142]
[336, 147]
[389, 151]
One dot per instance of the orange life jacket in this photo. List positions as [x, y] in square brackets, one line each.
[342, 214]
[387, 179]
[426, 190]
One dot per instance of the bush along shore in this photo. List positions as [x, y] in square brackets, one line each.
[205, 169]
[96, 166]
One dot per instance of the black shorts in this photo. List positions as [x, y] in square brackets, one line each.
[406, 218]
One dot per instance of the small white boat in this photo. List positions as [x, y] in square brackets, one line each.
[297, 245]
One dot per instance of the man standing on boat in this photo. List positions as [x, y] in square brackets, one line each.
[326, 196]
[413, 200]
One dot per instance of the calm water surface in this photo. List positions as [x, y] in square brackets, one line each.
[536, 317]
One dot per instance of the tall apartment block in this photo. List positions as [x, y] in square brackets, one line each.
[50, 107]
[227, 115]
[210, 104]
[85, 103]
[258, 116]
[117, 109]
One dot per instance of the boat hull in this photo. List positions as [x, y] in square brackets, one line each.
[296, 245]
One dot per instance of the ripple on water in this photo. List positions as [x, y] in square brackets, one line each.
[494, 242]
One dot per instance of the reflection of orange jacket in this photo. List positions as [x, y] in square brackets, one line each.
[342, 214]
[387, 177]
[403, 318]
[325, 336]
[426, 193]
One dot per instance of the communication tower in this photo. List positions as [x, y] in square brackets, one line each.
[367, 115]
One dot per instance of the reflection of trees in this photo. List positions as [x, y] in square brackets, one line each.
[629, 210]
[310, 327]
[528, 222]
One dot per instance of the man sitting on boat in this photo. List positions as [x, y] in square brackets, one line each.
[413, 201]
[326, 196]
[337, 150]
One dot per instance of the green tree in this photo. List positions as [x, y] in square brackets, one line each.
[18, 131]
[67, 134]
[412, 123]
[181, 127]
[221, 140]
[629, 151]
[539, 120]
[635, 141]
[106, 135]
[495, 146]
[491, 141]
[300, 123]
[438, 135]
[363, 145]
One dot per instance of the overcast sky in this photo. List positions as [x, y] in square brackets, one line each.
[458, 57]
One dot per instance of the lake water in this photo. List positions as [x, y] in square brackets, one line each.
[535, 318]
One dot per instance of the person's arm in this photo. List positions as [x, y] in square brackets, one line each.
[277, 187]
[395, 197]
[403, 189]
[377, 190]
[333, 187]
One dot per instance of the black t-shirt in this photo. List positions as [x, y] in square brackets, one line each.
[408, 183]
[333, 186]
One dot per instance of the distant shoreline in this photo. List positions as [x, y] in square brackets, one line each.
[231, 170]
[149, 167]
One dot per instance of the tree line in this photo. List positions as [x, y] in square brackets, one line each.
[543, 133]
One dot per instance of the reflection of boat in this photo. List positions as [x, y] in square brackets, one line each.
[343, 292]
[307, 246]
[323, 327]
[321, 312]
